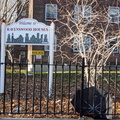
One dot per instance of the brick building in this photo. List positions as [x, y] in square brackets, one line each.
[99, 18]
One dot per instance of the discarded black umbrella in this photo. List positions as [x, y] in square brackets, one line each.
[96, 103]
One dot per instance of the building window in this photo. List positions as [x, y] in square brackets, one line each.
[46, 48]
[22, 53]
[22, 45]
[82, 45]
[112, 42]
[83, 13]
[23, 1]
[113, 14]
[24, 12]
[50, 12]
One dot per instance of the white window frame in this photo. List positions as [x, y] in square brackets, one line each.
[112, 42]
[113, 16]
[52, 13]
[83, 13]
[81, 45]
[46, 47]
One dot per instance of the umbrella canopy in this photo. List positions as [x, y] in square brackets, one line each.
[96, 103]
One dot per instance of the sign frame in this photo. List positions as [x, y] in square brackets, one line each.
[27, 31]
[8, 37]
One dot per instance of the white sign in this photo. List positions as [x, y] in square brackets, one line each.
[27, 31]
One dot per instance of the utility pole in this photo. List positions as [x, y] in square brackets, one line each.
[30, 15]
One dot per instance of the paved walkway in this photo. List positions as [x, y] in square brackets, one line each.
[33, 119]
[47, 119]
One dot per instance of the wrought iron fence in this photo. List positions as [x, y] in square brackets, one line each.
[27, 92]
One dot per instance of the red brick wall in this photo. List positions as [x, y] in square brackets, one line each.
[39, 14]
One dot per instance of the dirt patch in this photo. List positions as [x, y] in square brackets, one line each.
[27, 97]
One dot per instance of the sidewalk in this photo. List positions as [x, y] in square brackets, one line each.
[48, 119]
[34, 119]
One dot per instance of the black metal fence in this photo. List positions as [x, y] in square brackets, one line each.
[27, 92]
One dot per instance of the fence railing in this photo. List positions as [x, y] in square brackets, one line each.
[26, 92]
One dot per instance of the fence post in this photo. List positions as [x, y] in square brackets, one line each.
[82, 87]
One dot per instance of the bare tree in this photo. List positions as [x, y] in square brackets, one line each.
[11, 11]
[91, 29]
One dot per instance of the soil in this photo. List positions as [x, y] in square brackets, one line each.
[23, 97]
